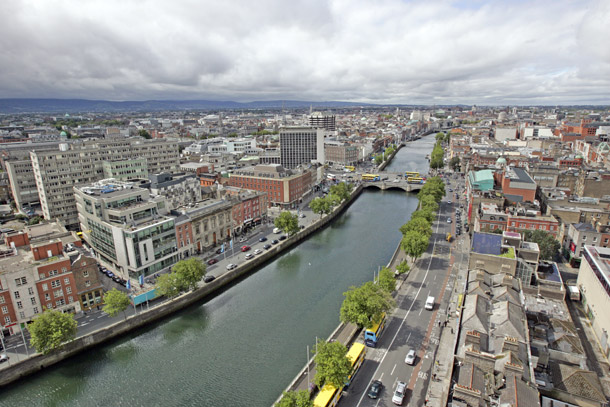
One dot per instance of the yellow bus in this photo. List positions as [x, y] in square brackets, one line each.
[371, 335]
[415, 180]
[327, 397]
[356, 357]
[370, 177]
[349, 168]
[411, 174]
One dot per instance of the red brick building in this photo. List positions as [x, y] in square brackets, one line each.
[517, 185]
[522, 223]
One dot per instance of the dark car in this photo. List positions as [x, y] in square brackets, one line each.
[117, 279]
[219, 250]
[375, 389]
[212, 261]
[110, 274]
[274, 241]
[267, 246]
[208, 279]
[262, 239]
[283, 237]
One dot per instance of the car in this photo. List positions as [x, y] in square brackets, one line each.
[249, 256]
[231, 266]
[302, 215]
[449, 202]
[258, 251]
[219, 250]
[262, 239]
[374, 389]
[110, 274]
[399, 393]
[277, 230]
[245, 248]
[396, 180]
[448, 220]
[302, 226]
[267, 246]
[117, 279]
[242, 239]
[212, 261]
[410, 358]
[450, 190]
[4, 358]
[283, 237]
[275, 241]
[209, 278]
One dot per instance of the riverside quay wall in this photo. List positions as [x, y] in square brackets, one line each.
[122, 327]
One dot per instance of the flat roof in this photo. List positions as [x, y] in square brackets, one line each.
[487, 243]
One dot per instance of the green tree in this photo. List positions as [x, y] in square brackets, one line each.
[403, 267]
[440, 137]
[320, 206]
[454, 163]
[144, 133]
[342, 190]
[548, 245]
[35, 220]
[378, 159]
[386, 279]
[299, 398]
[414, 244]
[116, 301]
[287, 222]
[333, 200]
[190, 272]
[428, 202]
[332, 364]
[51, 329]
[365, 303]
[169, 285]
[434, 186]
[419, 225]
[428, 215]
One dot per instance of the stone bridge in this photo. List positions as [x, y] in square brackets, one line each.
[390, 184]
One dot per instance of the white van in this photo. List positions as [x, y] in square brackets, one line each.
[430, 303]
[277, 230]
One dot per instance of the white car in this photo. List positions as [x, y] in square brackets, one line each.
[410, 359]
[249, 256]
[3, 358]
[448, 220]
[396, 180]
[258, 251]
[231, 266]
[399, 393]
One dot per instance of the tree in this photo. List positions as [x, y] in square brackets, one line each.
[299, 398]
[403, 267]
[333, 200]
[342, 190]
[168, 285]
[287, 222]
[423, 213]
[434, 186]
[321, 206]
[35, 220]
[332, 364]
[419, 225]
[378, 159]
[115, 301]
[455, 163]
[51, 329]
[190, 272]
[144, 133]
[365, 303]
[548, 245]
[386, 279]
[440, 136]
[428, 202]
[414, 244]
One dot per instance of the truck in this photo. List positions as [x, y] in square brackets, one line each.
[574, 292]
[448, 238]
[430, 303]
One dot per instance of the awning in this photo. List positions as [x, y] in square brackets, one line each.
[257, 219]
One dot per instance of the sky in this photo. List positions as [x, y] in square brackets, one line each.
[376, 51]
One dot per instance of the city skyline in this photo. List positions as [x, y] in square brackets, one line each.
[390, 52]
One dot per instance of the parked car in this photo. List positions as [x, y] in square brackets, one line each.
[231, 266]
[277, 230]
[267, 246]
[209, 278]
[449, 202]
[399, 393]
[302, 215]
[274, 241]
[375, 389]
[262, 239]
[448, 220]
[219, 250]
[258, 251]
[212, 261]
[410, 358]
[4, 358]
[245, 248]
[242, 239]
[283, 237]
[249, 256]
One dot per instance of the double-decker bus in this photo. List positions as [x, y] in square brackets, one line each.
[371, 335]
[356, 357]
[370, 177]
[327, 397]
[415, 180]
[411, 174]
[349, 168]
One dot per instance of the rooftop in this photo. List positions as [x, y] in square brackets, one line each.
[487, 243]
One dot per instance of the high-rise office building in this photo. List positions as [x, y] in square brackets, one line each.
[301, 146]
[322, 121]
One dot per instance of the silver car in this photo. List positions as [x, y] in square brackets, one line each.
[410, 359]
[399, 393]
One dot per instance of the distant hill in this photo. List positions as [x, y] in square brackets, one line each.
[12, 106]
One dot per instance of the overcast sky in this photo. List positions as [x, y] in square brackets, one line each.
[379, 51]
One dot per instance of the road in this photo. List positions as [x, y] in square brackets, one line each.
[411, 326]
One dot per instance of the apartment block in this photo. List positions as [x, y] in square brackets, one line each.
[301, 146]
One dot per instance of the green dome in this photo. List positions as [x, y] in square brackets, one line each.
[63, 134]
[501, 161]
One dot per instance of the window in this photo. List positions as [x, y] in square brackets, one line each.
[69, 290]
[33, 300]
[16, 293]
[63, 269]
[49, 305]
[22, 315]
[47, 297]
[58, 293]
[59, 303]
[66, 280]
[5, 310]
[45, 287]
[87, 283]
[30, 290]
[70, 299]
[21, 281]
[55, 284]
[7, 320]
[35, 310]
[512, 223]
[86, 273]
[19, 305]
[584, 238]
[52, 273]
[2, 300]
